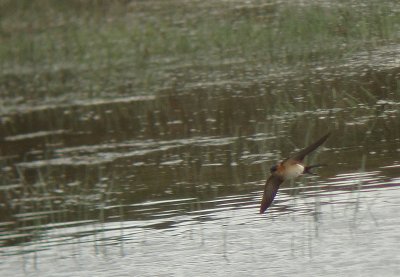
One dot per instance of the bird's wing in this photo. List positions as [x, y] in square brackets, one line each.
[299, 156]
[270, 190]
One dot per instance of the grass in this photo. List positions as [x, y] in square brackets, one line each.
[107, 49]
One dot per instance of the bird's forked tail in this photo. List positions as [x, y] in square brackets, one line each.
[307, 169]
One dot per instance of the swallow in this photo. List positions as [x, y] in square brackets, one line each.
[289, 168]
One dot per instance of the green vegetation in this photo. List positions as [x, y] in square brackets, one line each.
[116, 48]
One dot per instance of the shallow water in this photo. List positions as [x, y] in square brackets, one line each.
[169, 184]
[174, 202]
[339, 225]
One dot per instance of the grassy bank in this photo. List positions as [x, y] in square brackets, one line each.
[83, 49]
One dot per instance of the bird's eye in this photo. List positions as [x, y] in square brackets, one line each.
[273, 168]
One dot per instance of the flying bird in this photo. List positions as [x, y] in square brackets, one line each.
[288, 169]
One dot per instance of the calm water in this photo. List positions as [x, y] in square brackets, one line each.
[169, 183]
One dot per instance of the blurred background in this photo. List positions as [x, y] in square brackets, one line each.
[136, 137]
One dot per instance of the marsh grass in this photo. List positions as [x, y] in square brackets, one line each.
[119, 48]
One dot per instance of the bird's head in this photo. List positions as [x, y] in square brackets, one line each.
[273, 168]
